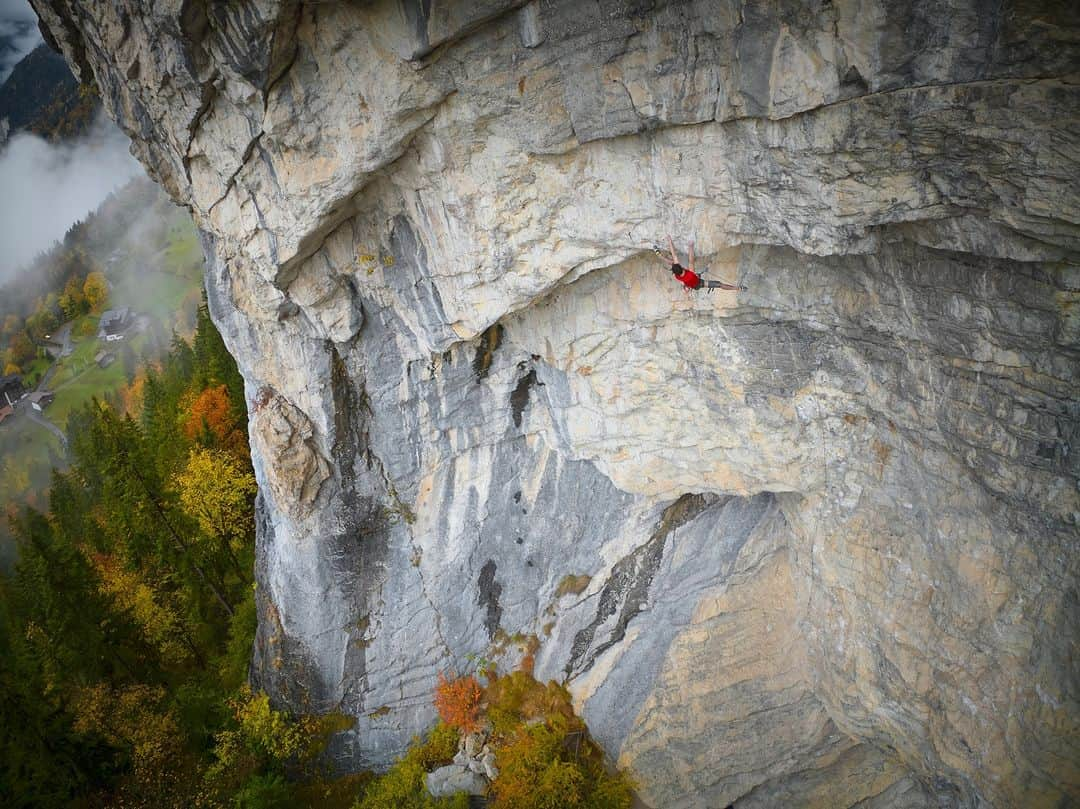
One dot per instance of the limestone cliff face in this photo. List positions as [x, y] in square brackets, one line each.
[810, 544]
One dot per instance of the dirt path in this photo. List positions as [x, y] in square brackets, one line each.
[65, 337]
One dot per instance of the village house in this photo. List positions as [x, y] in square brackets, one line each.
[11, 389]
[40, 399]
[104, 358]
[114, 322]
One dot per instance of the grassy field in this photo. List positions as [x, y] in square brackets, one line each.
[79, 378]
[81, 357]
[76, 392]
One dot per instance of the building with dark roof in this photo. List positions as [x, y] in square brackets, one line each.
[11, 389]
[39, 399]
[115, 322]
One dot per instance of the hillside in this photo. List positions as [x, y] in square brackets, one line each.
[19, 34]
[42, 97]
[147, 252]
[807, 542]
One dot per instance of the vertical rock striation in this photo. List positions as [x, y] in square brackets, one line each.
[810, 544]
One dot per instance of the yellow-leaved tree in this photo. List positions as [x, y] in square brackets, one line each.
[138, 719]
[96, 291]
[159, 620]
[216, 489]
[261, 736]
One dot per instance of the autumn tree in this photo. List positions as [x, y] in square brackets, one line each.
[96, 291]
[45, 316]
[72, 301]
[212, 419]
[457, 699]
[72, 632]
[137, 720]
[131, 395]
[148, 607]
[218, 491]
[403, 786]
[21, 351]
[116, 461]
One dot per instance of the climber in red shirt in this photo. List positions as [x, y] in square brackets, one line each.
[687, 275]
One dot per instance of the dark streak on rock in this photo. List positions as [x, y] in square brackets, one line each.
[411, 280]
[487, 596]
[417, 12]
[627, 588]
[519, 398]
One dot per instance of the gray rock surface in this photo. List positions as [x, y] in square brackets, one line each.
[452, 779]
[809, 544]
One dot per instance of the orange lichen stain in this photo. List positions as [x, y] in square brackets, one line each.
[572, 585]
[882, 452]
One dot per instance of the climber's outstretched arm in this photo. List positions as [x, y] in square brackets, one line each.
[671, 247]
[691, 260]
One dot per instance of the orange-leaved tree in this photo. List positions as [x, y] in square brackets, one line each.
[131, 395]
[457, 700]
[212, 412]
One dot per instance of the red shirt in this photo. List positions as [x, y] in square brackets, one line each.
[691, 279]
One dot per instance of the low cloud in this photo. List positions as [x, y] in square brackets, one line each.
[18, 34]
[46, 187]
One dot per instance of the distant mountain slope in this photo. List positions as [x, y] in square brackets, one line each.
[42, 96]
[18, 36]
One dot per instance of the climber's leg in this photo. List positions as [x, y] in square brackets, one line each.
[711, 285]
